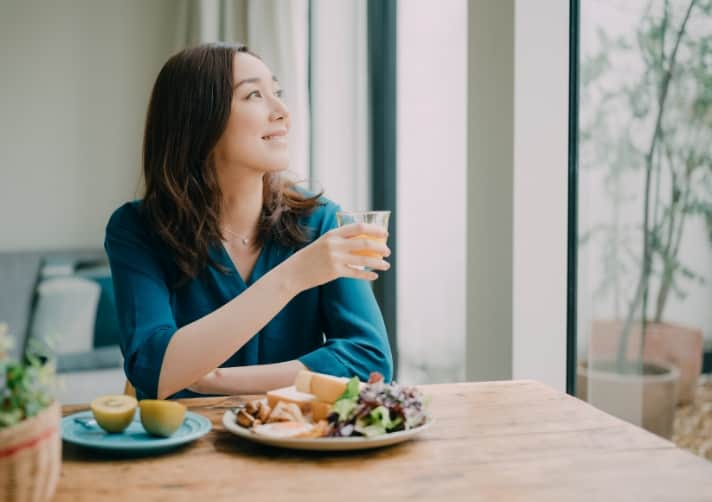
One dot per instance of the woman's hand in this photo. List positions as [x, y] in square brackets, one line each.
[336, 254]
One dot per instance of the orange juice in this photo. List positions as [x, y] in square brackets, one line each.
[373, 254]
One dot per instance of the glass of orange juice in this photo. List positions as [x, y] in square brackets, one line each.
[379, 218]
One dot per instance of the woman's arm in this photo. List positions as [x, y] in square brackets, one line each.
[257, 379]
[188, 357]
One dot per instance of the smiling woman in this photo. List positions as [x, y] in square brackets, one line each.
[221, 243]
[236, 122]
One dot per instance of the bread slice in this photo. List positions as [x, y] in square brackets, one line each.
[290, 395]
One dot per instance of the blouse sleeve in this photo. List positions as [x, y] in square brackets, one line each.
[143, 303]
[356, 339]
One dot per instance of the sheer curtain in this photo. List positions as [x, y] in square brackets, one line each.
[277, 30]
[340, 102]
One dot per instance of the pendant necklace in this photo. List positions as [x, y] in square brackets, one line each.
[244, 240]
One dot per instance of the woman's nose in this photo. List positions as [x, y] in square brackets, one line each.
[280, 111]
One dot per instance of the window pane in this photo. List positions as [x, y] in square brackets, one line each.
[645, 207]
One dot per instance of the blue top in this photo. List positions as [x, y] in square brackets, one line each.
[336, 328]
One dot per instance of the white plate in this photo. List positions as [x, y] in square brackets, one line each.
[323, 444]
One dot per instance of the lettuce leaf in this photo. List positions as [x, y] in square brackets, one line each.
[352, 389]
[344, 407]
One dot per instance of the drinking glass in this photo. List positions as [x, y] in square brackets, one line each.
[379, 218]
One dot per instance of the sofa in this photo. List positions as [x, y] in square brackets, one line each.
[65, 299]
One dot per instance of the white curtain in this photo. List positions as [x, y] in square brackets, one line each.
[277, 30]
[339, 102]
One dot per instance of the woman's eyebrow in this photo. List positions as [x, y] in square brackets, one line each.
[252, 80]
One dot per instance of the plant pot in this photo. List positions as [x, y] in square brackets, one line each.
[31, 457]
[648, 399]
[664, 342]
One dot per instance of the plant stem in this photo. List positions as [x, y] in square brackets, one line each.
[671, 262]
[641, 294]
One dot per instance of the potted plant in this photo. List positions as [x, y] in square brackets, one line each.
[664, 144]
[30, 443]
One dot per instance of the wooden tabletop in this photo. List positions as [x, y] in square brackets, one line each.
[499, 441]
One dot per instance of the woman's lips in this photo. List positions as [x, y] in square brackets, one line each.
[276, 135]
[277, 138]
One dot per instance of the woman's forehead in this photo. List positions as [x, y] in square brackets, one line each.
[247, 66]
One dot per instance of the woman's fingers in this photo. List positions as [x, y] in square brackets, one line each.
[357, 273]
[375, 263]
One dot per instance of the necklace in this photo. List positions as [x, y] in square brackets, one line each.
[244, 240]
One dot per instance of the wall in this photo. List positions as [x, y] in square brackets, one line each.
[540, 191]
[431, 204]
[76, 78]
[516, 191]
[490, 190]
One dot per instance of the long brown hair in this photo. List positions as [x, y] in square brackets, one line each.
[187, 114]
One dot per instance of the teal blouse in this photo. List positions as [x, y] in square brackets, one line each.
[336, 328]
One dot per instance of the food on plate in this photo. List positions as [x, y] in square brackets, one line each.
[320, 410]
[113, 413]
[319, 405]
[161, 418]
[378, 408]
[290, 395]
[326, 388]
[307, 402]
[283, 429]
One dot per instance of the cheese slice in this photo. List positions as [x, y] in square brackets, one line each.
[290, 395]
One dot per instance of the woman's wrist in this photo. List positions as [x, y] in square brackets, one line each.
[291, 278]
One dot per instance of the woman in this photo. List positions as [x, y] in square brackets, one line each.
[227, 278]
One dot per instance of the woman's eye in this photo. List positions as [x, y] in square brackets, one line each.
[254, 93]
[279, 93]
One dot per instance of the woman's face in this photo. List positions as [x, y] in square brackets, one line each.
[256, 132]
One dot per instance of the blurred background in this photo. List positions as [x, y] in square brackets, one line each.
[517, 143]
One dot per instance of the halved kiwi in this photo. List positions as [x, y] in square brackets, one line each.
[113, 413]
[161, 418]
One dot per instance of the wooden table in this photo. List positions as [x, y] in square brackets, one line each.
[500, 441]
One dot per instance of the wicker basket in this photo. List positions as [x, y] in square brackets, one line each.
[31, 457]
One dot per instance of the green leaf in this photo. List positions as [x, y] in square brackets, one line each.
[26, 386]
[352, 389]
[344, 407]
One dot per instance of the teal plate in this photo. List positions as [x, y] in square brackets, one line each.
[81, 428]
